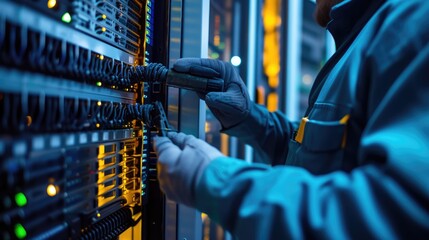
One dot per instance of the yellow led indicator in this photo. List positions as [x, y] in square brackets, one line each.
[103, 16]
[98, 215]
[52, 3]
[99, 103]
[101, 57]
[216, 40]
[66, 17]
[20, 231]
[51, 190]
[103, 29]
[97, 125]
[29, 120]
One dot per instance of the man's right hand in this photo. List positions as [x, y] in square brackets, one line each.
[230, 107]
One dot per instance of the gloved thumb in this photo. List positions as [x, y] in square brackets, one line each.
[230, 107]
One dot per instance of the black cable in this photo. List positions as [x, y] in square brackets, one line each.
[110, 66]
[61, 113]
[62, 58]
[50, 66]
[115, 70]
[84, 109]
[39, 57]
[75, 118]
[121, 74]
[3, 40]
[127, 75]
[32, 110]
[98, 70]
[54, 110]
[122, 115]
[68, 114]
[54, 56]
[153, 72]
[15, 111]
[95, 113]
[73, 63]
[6, 112]
[32, 50]
[108, 114]
[19, 46]
[37, 123]
[92, 68]
[25, 117]
[104, 69]
[2, 32]
[85, 60]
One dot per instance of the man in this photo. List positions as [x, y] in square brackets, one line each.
[357, 166]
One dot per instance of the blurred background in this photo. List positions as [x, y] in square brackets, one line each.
[278, 48]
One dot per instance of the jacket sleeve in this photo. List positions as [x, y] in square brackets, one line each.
[267, 132]
[386, 198]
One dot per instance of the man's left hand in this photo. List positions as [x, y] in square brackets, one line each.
[181, 161]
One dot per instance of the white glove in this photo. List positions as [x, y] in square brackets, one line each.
[181, 161]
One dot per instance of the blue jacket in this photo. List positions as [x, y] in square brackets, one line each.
[358, 164]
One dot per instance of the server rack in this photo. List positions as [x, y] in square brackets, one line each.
[74, 158]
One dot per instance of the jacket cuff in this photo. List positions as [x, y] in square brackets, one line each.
[210, 187]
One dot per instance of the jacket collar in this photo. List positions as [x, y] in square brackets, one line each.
[344, 17]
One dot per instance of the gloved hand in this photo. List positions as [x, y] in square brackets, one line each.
[181, 161]
[230, 107]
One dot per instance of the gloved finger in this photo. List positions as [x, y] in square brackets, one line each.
[167, 151]
[171, 134]
[183, 64]
[200, 67]
[182, 140]
[178, 139]
[161, 144]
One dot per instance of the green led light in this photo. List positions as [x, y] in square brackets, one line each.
[66, 17]
[20, 199]
[214, 55]
[20, 231]
[99, 84]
